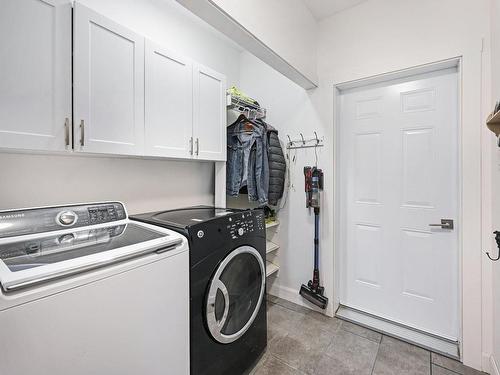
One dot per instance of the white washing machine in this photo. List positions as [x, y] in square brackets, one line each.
[86, 291]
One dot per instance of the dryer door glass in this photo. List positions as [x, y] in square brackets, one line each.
[235, 294]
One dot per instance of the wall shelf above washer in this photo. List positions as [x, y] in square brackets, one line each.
[271, 268]
[271, 246]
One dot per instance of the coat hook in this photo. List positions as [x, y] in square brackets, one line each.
[303, 141]
[493, 259]
[317, 139]
[497, 239]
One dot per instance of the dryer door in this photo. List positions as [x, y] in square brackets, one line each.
[235, 294]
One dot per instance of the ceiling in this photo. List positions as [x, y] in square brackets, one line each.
[325, 8]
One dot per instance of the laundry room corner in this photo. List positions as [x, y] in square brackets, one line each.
[293, 111]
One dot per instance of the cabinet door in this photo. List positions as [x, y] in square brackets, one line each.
[169, 103]
[209, 127]
[108, 85]
[35, 74]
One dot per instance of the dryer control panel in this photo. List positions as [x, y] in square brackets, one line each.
[40, 220]
[245, 223]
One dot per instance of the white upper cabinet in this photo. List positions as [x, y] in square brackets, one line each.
[169, 103]
[35, 74]
[108, 85]
[209, 127]
[130, 96]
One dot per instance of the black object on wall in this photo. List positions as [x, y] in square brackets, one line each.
[497, 239]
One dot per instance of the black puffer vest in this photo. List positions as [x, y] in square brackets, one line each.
[277, 166]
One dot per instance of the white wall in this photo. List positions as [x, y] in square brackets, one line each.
[33, 179]
[143, 185]
[286, 26]
[380, 36]
[291, 110]
[495, 163]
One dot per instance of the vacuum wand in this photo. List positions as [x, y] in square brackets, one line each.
[313, 291]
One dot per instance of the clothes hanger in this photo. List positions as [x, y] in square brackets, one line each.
[247, 121]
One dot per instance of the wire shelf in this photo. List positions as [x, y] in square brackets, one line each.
[250, 109]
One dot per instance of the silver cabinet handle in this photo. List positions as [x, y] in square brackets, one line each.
[191, 146]
[197, 146]
[445, 224]
[66, 131]
[82, 133]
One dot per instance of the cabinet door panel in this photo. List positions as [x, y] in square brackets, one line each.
[169, 103]
[109, 85]
[35, 74]
[209, 127]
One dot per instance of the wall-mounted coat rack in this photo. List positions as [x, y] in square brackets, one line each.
[315, 141]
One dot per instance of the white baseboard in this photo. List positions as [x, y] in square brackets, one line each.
[494, 368]
[293, 295]
[486, 362]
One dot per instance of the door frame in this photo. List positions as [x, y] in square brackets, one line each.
[466, 328]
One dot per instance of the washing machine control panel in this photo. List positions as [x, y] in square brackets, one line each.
[105, 213]
[244, 223]
[40, 220]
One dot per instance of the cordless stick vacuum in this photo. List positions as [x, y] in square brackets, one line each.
[313, 291]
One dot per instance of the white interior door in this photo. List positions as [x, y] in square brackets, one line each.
[399, 158]
[209, 128]
[108, 85]
[35, 74]
[169, 103]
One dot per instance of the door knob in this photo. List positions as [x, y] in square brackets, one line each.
[445, 224]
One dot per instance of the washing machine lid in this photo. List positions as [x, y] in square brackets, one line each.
[42, 256]
[185, 217]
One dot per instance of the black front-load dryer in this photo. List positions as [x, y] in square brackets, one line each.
[227, 285]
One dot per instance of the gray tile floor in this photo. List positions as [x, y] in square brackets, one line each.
[302, 342]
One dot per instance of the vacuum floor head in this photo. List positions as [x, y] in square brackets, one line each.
[313, 297]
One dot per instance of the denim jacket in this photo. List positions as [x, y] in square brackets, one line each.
[247, 161]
